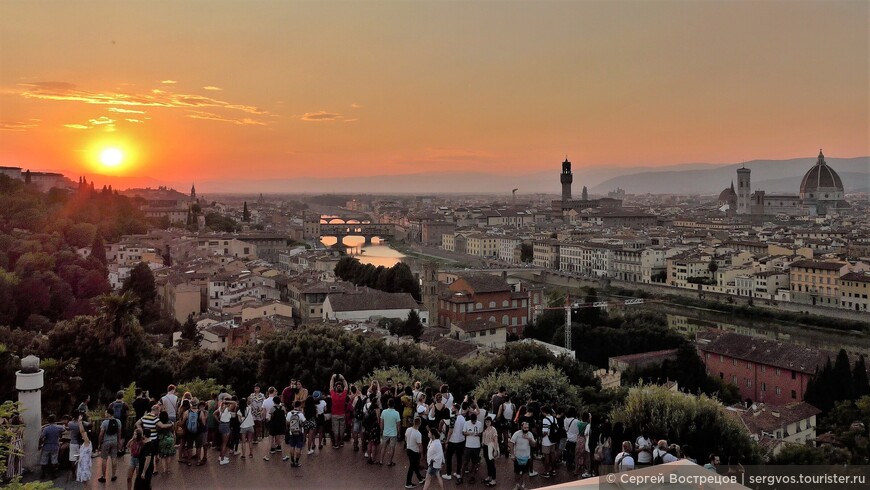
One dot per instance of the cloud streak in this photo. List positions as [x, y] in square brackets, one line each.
[212, 88]
[124, 111]
[17, 126]
[61, 91]
[246, 121]
[321, 116]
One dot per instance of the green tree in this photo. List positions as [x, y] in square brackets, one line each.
[190, 334]
[712, 266]
[860, 385]
[412, 325]
[98, 249]
[246, 215]
[547, 384]
[527, 253]
[141, 283]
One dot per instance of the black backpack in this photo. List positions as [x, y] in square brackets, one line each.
[358, 407]
[659, 459]
[112, 427]
[557, 430]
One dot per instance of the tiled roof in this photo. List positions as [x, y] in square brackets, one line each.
[456, 349]
[818, 264]
[485, 283]
[770, 418]
[856, 276]
[371, 299]
[763, 351]
[478, 325]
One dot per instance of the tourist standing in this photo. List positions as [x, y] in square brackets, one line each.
[391, 421]
[521, 444]
[245, 415]
[256, 401]
[295, 432]
[83, 468]
[472, 431]
[49, 440]
[170, 403]
[120, 411]
[490, 450]
[455, 441]
[109, 439]
[435, 460]
[413, 446]
[135, 447]
[338, 395]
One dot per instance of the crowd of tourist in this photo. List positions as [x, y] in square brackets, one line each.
[444, 437]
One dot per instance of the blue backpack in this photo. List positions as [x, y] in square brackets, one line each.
[192, 421]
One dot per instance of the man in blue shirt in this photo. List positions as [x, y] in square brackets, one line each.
[50, 441]
[390, 421]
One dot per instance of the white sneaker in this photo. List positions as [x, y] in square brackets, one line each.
[225, 461]
[533, 473]
[285, 458]
[366, 455]
[311, 451]
[457, 475]
[446, 477]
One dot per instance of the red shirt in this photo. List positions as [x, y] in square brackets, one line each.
[338, 402]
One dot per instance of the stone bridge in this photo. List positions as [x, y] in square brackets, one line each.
[340, 230]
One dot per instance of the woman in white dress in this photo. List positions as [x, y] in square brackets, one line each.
[83, 470]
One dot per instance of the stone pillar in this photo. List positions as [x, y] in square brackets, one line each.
[367, 240]
[29, 382]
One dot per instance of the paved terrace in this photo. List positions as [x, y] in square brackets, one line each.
[328, 469]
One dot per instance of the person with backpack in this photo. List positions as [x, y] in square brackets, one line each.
[277, 426]
[200, 453]
[120, 409]
[550, 440]
[358, 401]
[109, 433]
[135, 446]
[295, 433]
[505, 422]
[624, 461]
[190, 430]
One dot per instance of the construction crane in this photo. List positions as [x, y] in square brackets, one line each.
[514, 197]
[576, 306]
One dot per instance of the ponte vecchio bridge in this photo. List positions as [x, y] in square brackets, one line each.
[340, 228]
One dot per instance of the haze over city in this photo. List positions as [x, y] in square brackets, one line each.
[317, 90]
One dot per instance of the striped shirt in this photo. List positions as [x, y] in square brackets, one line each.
[149, 426]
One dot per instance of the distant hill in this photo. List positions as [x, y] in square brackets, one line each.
[780, 175]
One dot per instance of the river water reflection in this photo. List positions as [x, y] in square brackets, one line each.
[378, 253]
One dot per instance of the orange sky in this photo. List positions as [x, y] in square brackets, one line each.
[203, 90]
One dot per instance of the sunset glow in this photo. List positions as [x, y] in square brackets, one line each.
[501, 88]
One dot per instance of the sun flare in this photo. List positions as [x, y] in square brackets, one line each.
[111, 157]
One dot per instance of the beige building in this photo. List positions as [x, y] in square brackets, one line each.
[262, 310]
[481, 245]
[183, 299]
[546, 253]
[816, 282]
[481, 332]
[232, 247]
[854, 290]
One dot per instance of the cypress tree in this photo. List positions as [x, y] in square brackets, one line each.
[860, 384]
[842, 377]
[98, 249]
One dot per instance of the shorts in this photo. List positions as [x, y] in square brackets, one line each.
[547, 449]
[321, 420]
[296, 441]
[224, 428]
[357, 426]
[200, 440]
[134, 462]
[472, 454]
[389, 440]
[189, 439]
[520, 468]
[433, 471]
[247, 430]
[73, 452]
[109, 449]
[48, 457]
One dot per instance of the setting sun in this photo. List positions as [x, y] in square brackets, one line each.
[111, 157]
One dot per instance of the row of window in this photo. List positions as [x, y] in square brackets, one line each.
[749, 365]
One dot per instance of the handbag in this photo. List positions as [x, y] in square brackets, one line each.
[599, 453]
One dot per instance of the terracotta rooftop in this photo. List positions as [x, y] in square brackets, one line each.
[456, 349]
[763, 351]
[371, 299]
[818, 264]
[769, 418]
[485, 283]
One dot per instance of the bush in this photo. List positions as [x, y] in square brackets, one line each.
[425, 376]
[200, 388]
[549, 385]
[700, 421]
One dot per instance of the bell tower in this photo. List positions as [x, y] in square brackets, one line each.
[567, 178]
[744, 191]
